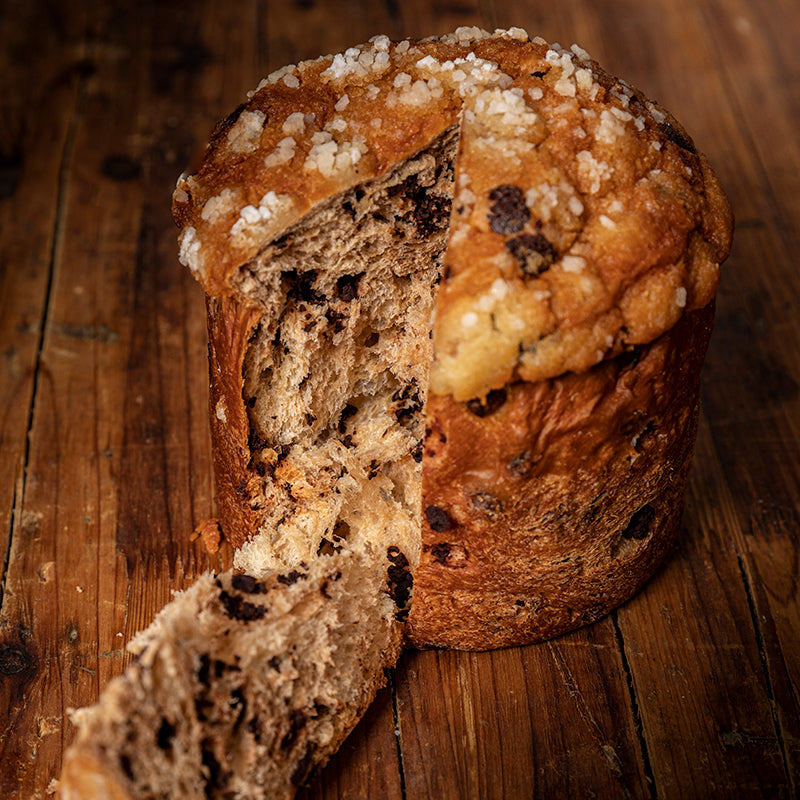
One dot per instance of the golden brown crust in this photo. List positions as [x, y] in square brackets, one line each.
[584, 219]
[557, 500]
[229, 328]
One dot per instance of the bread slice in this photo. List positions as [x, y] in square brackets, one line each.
[243, 687]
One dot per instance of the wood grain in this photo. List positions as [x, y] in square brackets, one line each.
[690, 690]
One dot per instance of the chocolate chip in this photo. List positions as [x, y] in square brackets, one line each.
[291, 578]
[396, 556]
[508, 212]
[431, 212]
[400, 580]
[347, 287]
[336, 319]
[300, 286]
[487, 503]
[494, 400]
[677, 137]
[438, 519]
[416, 452]
[534, 253]
[240, 609]
[248, 584]
[238, 701]
[255, 442]
[639, 526]
[450, 555]
[165, 735]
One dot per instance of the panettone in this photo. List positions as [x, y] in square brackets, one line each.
[460, 290]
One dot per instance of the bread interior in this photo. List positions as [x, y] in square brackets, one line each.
[336, 373]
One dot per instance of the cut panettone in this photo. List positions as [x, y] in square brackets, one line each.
[433, 239]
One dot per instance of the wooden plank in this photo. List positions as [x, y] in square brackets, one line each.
[34, 139]
[119, 469]
[538, 721]
[367, 763]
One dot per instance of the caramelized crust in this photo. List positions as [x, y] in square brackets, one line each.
[553, 502]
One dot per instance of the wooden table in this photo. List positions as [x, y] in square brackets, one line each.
[690, 690]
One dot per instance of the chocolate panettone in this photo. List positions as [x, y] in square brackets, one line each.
[460, 290]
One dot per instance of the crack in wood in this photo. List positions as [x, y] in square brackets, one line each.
[762, 654]
[397, 733]
[634, 708]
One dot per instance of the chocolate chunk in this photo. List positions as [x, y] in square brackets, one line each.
[508, 212]
[165, 735]
[291, 578]
[240, 609]
[248, 584]
[347, 287]
[677, 137]
[300, 286]
[493, 401]
[438, 519]
[487, 503]
[639, 526]
[533, 251]
[450, 555]
[416, 452]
